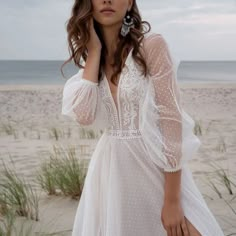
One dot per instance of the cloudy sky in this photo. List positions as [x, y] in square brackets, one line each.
[194, 30]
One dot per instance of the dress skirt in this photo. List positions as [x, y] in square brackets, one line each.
[124, 191]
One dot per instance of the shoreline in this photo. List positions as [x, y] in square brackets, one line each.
[26, 87]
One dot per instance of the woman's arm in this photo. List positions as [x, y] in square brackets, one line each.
[94, 53]
[163, 115]
[172, 214]
[165, 127]
[83, 109]
[172, 186]
[91, 68]
[81, 98]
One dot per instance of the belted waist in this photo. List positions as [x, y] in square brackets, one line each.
[123, 134]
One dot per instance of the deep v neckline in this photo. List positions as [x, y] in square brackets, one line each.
[116, 99]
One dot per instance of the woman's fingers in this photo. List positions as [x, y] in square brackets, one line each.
[179, 230]
[184, 228]
[173, 231]
[169, 233]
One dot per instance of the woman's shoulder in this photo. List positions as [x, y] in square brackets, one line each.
[151, 46]
[153, 41]
[152, 34]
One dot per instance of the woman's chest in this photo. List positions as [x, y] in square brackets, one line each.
[123, 101]
[131, 85]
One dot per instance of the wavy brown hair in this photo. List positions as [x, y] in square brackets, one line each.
[78, 36]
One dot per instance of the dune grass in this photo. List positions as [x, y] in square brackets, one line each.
[64, 173]
[224, 177]
[9, 129]
[220, 177]
[8, 226]
[17, 195]
[197, 128]
[11, 225]
[221, 145]
[89, 133]
[55, 133]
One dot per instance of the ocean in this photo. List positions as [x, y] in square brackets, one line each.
[13, 72]
[207, 71]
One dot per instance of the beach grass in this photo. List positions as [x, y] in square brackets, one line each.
[9, 129]
[16, 194]
[64, 173]
[221, 147]
[11, 225]
[8, 226]
[220, 177]
[198, 128]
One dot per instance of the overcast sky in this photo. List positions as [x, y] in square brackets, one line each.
[194, 30]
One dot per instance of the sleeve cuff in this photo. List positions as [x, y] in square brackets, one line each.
[173, 169]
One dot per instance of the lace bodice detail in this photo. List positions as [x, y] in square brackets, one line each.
[130, 92]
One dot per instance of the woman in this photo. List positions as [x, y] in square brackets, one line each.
[138, 182]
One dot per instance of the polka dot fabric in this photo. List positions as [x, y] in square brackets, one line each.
[82, 102]
[147, 133]
[164, 123]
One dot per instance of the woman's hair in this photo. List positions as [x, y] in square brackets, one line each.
[78, 35]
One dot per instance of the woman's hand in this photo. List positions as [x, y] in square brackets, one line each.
[173, 219]
[94, 42]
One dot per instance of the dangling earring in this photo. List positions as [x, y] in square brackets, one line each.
[128, 23]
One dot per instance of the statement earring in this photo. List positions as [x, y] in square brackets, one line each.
[128, 23]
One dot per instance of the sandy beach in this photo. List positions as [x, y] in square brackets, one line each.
[30, 115]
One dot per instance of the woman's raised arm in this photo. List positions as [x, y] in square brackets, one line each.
[81, 99]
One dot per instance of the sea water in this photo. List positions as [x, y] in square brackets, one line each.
[13, 72]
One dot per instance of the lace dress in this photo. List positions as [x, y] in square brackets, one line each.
[145, 134]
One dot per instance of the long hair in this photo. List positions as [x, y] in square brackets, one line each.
[78, 35]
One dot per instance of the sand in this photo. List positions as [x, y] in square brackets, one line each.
[33, 111]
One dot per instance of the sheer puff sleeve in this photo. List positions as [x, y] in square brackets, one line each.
[166, 128]
[82, 102]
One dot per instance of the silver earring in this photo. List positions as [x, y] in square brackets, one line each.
[128, 23]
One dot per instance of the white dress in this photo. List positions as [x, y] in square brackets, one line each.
[145, 134]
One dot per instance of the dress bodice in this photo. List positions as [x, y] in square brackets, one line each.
[130, 92]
